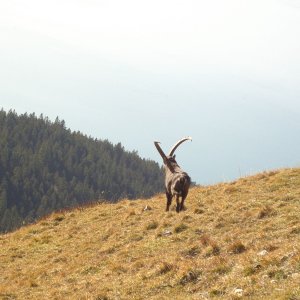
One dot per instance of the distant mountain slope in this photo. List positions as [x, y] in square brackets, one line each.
[238, 240]
[46, 167]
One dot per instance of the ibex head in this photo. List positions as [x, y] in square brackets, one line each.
[170, 158]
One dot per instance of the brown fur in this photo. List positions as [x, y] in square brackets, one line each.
[177, 182]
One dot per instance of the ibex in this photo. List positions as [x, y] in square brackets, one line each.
[177, 182]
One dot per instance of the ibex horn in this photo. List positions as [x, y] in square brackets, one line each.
[171, 153]
[162, 154]
[164, 157]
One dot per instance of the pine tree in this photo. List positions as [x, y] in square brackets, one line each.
[44, 167]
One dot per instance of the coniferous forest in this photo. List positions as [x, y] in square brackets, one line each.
[45, 167]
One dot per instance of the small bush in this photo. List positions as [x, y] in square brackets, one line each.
[199, 211]
[216, 293]
[265, 212]
[59, 218]
[165, 268]
[212, 250]
[180, 228]
[33, 284]
[222, 269]
[237, 248]
[252, 269]
[152, 225]
[191, 276]
[295, 230]
[192, 252]
[277, 274]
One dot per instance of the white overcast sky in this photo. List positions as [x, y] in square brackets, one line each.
[225, 72]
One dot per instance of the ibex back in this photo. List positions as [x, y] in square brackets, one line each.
[177, 182]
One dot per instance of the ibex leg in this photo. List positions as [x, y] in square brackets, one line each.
[182, 203]
[169, 200]
[178, 205]
[184, 195]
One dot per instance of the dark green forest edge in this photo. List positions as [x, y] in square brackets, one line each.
[45, 167]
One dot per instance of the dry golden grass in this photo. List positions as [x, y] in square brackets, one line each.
[234, 240]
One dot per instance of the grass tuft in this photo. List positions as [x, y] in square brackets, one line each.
[180, 228]
[265, 212]
[191, 276]
[222, 269]
[237, 248]
[277, 274]
[165, 268]
[212, 250]
[192, 252]
[252, 269]
[59, 218]
[295, 230]
[152, 225]
[199, 211]
[216, 293]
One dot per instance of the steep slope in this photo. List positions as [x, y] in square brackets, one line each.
[239, 239]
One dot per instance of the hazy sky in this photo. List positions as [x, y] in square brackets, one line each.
[226, 73]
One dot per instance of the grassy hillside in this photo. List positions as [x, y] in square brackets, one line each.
[235, 240]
